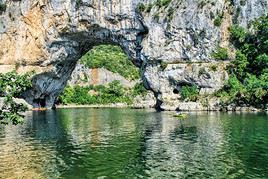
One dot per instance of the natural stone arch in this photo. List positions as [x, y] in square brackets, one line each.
[50, 35]
[54, 34]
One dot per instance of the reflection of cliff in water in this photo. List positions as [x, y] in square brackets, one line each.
[91, 143]
[29, 151]
[184, 148]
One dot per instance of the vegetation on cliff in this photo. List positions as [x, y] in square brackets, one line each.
[189, 93]
[12, 86]
[113, 59]
[2, 7]
[114, 92]
[248, 83]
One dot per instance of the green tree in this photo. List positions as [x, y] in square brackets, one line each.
[239, 65]
[248, 83]
[13, 85]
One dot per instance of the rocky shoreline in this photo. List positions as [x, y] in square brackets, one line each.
[193, 108]
[184, 106]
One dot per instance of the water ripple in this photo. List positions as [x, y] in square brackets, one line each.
[125, 143]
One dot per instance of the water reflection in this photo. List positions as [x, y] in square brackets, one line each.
[125, 143]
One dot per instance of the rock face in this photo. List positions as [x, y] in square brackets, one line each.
[84, 76]
[49, 36]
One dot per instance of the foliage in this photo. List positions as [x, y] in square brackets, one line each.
[141, 7]
[202, 71]
[218, 20]
[163, 65]
[220, 54]
[189, 92]
[3, 7]
[11, 112]
[114, 92]
[238, 35]
[13, 85]
[162, 3]
[213, 68]
[149, 7]
[139, 89]
[113, 59]
[239, 64]
[249, 70]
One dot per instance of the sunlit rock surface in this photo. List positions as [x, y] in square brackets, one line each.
[49, 36]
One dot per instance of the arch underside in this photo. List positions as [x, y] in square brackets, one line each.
[66, 52]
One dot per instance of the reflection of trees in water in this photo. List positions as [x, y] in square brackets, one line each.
[25, 151]
[247, 136]
[128, 143]
[192, 147]
[110, 145]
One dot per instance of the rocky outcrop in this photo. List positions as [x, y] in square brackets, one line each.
[171, 42]
[84, 76]
[53, 34]
[183, 35]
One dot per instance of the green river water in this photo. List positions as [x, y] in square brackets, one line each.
[128, 143]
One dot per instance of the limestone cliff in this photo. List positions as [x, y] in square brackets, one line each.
[49, 36]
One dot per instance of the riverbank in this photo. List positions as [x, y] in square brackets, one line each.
[115, 105]
[123, 105]
[187, 107]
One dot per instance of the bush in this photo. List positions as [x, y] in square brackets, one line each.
[141, 7]
[139, 89]
[213, 68]
[13, 85]
[220, 54]
[249, 70]
[238, 35]
[149, 7]
[202, 71]
[162, 3]
[114, 92]
[218, 21]
[189, 92]
[163, 65]
[239, 65]
[3, 7]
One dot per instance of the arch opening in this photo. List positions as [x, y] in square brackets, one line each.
[65, 54]
[104, 75]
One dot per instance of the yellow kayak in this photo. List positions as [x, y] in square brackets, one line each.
[181, 115]
[39, 109]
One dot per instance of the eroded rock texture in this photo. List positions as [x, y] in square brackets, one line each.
[49, 36]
